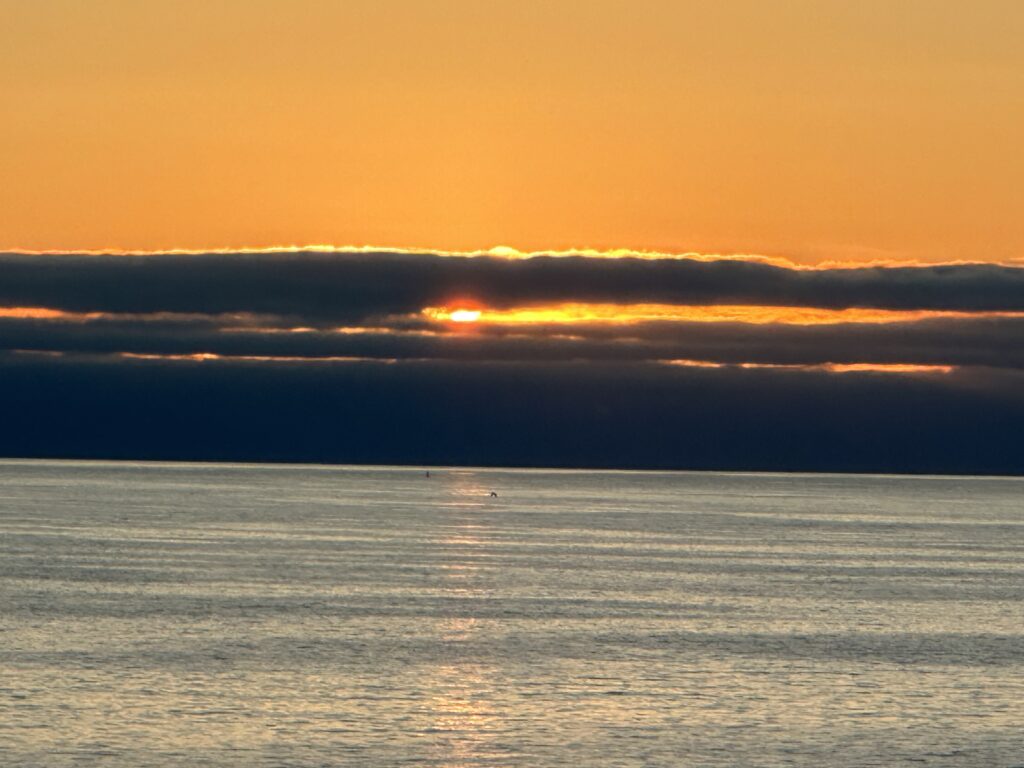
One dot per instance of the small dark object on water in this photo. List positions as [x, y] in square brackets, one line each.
[494, 494]
[428, 473]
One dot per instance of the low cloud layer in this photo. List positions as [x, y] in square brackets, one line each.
[990, 342]
[241, 357]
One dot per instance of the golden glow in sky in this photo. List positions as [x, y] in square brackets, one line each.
[798, 128]
[715, 313]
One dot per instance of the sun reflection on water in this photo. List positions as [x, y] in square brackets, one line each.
[463, 710]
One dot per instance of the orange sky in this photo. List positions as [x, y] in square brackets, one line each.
[813, 130]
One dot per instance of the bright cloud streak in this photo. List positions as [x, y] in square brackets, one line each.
[630, 313]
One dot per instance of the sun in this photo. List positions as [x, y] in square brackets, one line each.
[464, 315]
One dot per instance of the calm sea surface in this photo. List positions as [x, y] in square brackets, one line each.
[227, 615]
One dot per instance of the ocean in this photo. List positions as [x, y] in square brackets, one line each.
[257, 615]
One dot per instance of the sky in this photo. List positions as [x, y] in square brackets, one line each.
[876, 129]
[681, 235]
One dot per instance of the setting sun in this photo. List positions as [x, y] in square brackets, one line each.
[465, 315]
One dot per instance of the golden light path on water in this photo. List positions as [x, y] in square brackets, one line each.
[463, 703]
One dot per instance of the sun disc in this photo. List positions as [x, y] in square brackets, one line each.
[465, 315]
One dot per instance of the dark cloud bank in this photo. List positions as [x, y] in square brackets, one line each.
[594, 395]
[341, 287]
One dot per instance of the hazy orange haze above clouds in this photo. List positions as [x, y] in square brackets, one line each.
[813, 130]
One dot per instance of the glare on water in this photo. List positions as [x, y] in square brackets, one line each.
[228, 615]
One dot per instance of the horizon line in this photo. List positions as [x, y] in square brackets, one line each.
[285, 463]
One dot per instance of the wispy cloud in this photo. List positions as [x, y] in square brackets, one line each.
[990, 342]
